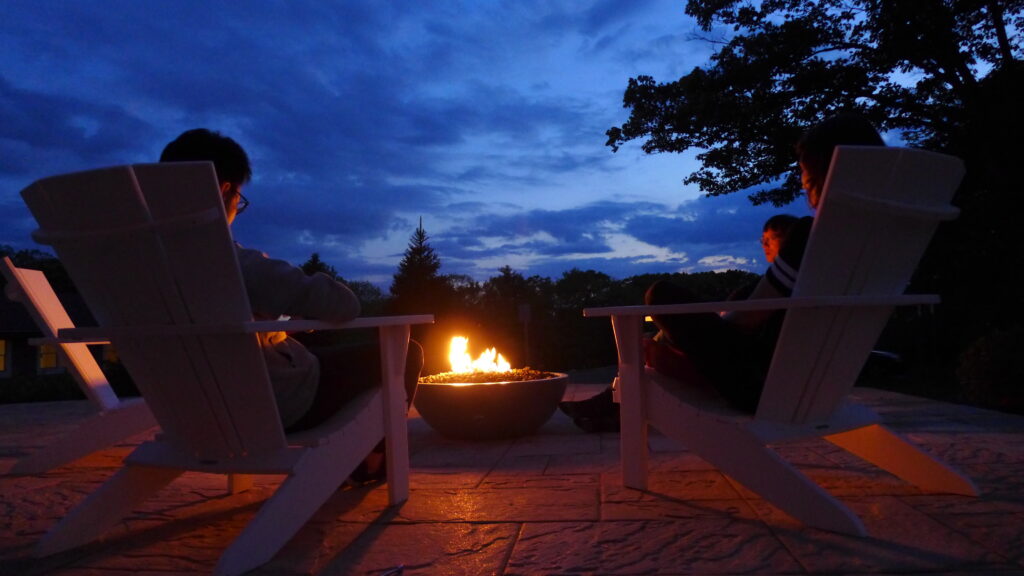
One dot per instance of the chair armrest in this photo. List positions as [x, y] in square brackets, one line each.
[251, 327]
[57, 341]
[764, 304]
[364, 322]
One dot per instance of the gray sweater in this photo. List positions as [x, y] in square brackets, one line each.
[279, 288]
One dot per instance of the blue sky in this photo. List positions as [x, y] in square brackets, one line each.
[485, 119]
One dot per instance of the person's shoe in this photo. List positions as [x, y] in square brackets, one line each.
[597, 405]
[599, 413]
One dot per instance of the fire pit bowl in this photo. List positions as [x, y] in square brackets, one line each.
[490, 410]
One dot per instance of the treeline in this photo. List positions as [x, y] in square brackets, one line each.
[533, 321]
[537, 322]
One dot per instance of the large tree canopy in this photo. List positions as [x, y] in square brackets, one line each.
[917, 67]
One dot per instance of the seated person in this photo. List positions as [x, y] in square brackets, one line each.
[773, 235]
[733, 351]
[310, 385]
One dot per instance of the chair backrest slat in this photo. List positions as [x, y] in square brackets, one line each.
[204, 265]
[126, 237]
[879, 210]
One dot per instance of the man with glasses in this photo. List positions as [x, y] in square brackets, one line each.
[310, 386]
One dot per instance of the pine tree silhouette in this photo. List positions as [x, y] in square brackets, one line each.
[417, 284]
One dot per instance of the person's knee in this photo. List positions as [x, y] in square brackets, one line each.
[414, 356]
[665, 292]
[656, 293]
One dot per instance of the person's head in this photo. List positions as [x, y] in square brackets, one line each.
[774, 233]
[815, 148]
[228, 157]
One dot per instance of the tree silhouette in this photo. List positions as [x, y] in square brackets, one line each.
[942, 74]
[315, 264]
[416, 287]
[48, 264]
[916, 67]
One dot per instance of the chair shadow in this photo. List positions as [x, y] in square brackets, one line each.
[214, 530]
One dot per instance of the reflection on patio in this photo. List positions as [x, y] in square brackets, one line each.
[553, 503]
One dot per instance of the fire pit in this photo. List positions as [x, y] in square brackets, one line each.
[486, 399]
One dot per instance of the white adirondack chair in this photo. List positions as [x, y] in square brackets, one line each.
[879, 211]
[150, 251]
[115, 420]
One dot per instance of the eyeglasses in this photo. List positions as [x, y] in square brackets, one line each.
[243, 203]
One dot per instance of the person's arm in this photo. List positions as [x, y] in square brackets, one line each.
[751, 320]
[780, 278]
[276, 288]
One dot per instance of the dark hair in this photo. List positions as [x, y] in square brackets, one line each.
[817, 144]
[780, 224]
[228, 157]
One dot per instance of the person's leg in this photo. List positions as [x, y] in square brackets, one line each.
[599, 413]
[345, 372]
[374, 467]
[413, 369]
[348, 370]
[717, 349]
[706, 338]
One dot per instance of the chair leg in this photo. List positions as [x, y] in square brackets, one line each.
[95, 433]
[238, 483]
[632, 420]
[316, 478]
[394, 344]
[750, 462]
[890, 451]
[115, 499]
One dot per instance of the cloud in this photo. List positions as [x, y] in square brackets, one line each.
[41, 128]
[486, 120]
[628, 237]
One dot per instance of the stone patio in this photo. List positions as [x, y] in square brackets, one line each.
[553, 504]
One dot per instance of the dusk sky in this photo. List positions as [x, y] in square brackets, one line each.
[485, 119]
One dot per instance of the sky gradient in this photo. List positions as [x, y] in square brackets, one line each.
[485, 119]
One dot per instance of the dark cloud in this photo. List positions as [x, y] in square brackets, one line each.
[44, 128]
[720, 220]
[487, 120]
[702, 234]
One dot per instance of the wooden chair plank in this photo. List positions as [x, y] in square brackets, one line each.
[163, 275]
[878, 212]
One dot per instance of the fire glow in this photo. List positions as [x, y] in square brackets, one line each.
[461, 361]
[489, 368]
[485, 398]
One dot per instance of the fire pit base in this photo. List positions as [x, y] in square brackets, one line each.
[490, 411]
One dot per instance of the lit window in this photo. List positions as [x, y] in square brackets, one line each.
[48, 357]
[3, 356]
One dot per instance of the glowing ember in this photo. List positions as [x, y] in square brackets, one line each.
[461, 361]
[470, 378]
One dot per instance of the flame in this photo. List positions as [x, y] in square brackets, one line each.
[461, 361]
